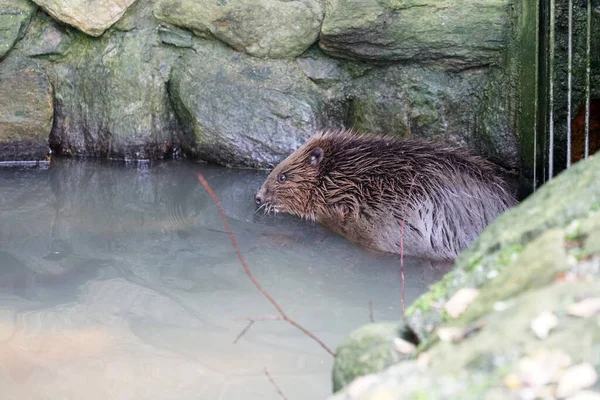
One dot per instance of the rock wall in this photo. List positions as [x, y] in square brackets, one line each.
[244, 82]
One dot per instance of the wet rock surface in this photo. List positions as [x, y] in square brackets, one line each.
[238, 111]
[456, 34]
[25, 111]
[115, 95]
[15, 16]
[111, 99]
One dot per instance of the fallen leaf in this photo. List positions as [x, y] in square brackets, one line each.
[576, 378]
[543, 324]
[460, 301]
[586, 308]
[543, 367]
[449, 334]
[404, 346]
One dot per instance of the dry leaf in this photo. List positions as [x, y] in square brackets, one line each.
[449, 334]
[423, 360]
[543, 367]
[404, 347]
[543, 324]
[576, 378]
[460, 301]
[585, 308]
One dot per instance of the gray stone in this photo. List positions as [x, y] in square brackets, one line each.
[262, 28]
[175, 36]
[25, 111]
[433, 104]
[111, 98]
[322, 69]
[241, 111]
[45, 38]
[455, 33]
[90, 16]
[14, 19]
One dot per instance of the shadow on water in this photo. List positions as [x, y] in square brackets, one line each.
[119, 281]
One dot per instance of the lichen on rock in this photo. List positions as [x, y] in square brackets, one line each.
[262, 28]
[454, 33]
[26, 111]
[14, 20]
[240, 111]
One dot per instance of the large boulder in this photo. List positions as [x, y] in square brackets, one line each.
[90, 16]
[456, 33]
[111, 98]
[25, 111]
[262, 28]
[14, 19]
[240, 111]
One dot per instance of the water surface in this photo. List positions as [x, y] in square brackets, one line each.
[118, 282]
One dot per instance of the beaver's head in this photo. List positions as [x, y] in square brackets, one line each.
[292, 186]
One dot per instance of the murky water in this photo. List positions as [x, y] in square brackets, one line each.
[118, 282]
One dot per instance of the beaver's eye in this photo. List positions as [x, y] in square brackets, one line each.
[281, 178]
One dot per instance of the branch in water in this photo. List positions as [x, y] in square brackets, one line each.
[251, 322]
[274, 384]
[249, 273]
[402, 244]
[246, 329]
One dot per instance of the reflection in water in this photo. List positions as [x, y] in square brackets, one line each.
[118, 282]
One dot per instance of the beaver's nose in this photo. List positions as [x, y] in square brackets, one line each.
[258, 199]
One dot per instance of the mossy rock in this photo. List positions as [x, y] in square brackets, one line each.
[367, 350]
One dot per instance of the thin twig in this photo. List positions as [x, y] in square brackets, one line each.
[274, 384]
[246, 329]
[251, 322]
[402, 244]
[249, 273]
[371, 311]
[263, 318]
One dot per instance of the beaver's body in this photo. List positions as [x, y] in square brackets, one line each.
[364, 187]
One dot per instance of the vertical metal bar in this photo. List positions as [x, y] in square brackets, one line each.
[551, 90]
[569, 81]
[587, 78]
[536, 102]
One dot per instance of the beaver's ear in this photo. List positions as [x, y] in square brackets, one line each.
[315, 156]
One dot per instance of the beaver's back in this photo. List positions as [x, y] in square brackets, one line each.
[371, 184]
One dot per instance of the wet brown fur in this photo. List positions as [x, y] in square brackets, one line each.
[358, 185]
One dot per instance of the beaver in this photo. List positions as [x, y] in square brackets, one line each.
[375, 189]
